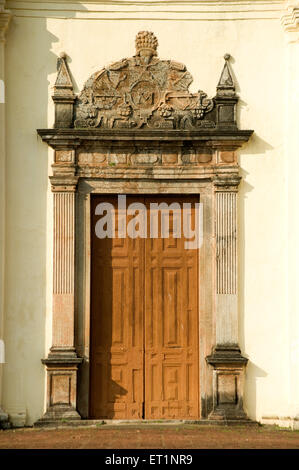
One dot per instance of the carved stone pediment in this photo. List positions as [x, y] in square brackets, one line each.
[143, 91]
[139, 112]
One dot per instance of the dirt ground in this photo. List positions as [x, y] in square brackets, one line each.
[150, 437]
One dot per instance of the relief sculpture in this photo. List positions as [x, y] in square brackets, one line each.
[142, 92]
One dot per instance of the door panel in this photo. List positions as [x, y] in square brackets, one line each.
[171, 324]
[144, 323]
[117, 344]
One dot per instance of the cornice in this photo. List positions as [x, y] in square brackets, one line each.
[290, 20]
[207, 10]
[74, 137]
[5, 16]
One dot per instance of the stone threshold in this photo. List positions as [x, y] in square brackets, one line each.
[115, 423]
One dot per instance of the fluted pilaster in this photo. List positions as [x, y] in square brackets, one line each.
[226, 268]
[62, 361]
[226, 359]
[63, 270]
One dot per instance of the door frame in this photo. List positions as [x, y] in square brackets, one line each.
[172, 147]
[206, 332]
[88, 255]
[83, 167]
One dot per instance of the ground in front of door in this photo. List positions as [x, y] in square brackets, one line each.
[151, 437]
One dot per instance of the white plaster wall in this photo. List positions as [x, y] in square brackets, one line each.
[258, 49]
[292, 194]
[26, 222]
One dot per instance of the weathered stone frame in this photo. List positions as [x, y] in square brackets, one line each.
[94, 160]
[86, 189]
[222, 366]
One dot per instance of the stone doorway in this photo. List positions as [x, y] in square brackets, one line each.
[136, 129]
[145, 316]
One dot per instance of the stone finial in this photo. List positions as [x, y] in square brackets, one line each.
[226, 86]
[146, 40]
[226, 98]
[63, 97]
[63, 80]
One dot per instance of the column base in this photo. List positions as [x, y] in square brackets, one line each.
[228, 414]
[57, 352]
[228, 384]
[58, 414]
[62, 367]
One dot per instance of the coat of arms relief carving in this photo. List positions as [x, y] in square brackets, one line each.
[143, 92]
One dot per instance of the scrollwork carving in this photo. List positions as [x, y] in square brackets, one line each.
[142, 91]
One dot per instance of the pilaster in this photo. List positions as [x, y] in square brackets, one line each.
[62, 361]
[5, 17]
[290, 24]
[63, 265]
[290, 17]
[226, 359]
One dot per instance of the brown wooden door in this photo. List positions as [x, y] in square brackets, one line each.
[144, 323]
[171, 324]
[117, 329]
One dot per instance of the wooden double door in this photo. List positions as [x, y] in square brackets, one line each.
[144, 320]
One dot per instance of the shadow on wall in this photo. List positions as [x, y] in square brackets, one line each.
[253, 373]
[256, 146]
[29, 63]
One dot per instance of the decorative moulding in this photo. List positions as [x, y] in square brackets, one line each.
[5, 16]
[208, 10]
[290, 20]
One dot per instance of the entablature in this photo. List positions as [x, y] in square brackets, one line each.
[136, 118]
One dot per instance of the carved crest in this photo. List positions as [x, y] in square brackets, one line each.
[142, 91]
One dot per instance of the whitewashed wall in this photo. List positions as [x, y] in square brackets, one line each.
[197, 34]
